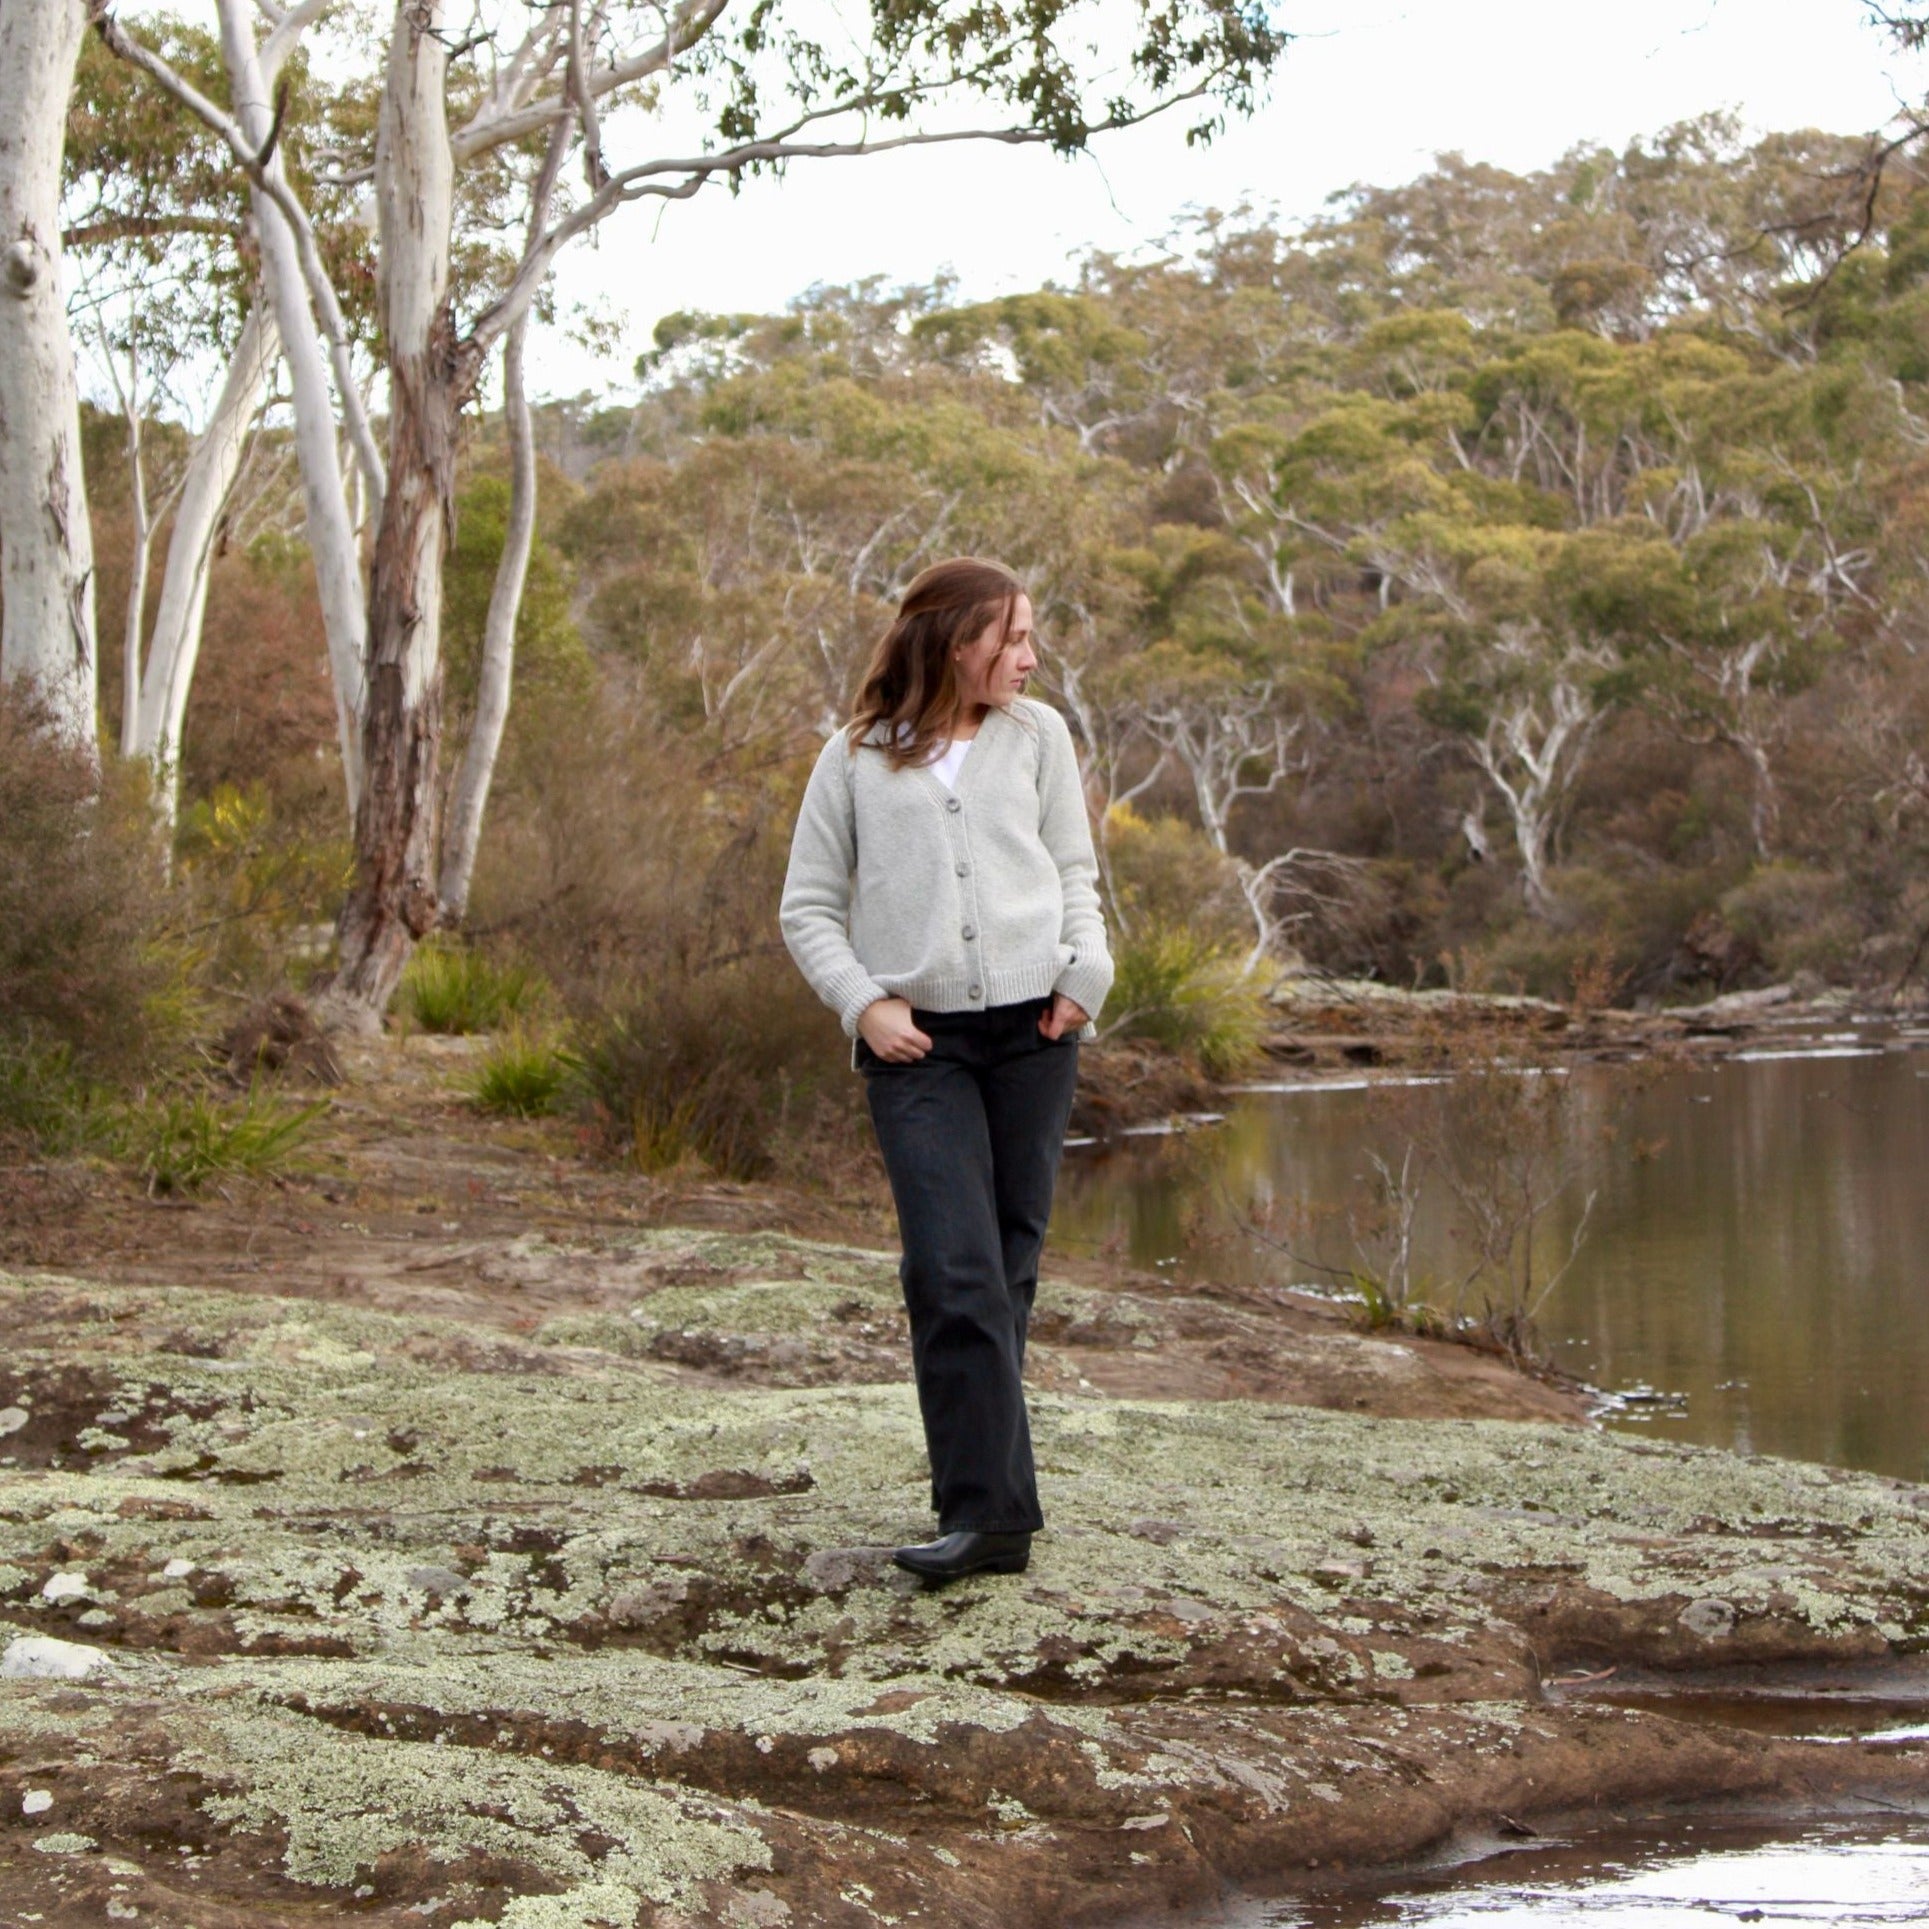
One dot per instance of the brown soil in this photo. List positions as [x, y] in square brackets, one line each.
[415, 1204]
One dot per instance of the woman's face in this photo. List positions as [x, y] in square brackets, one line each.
[993, 666]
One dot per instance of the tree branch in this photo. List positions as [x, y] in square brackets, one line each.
[256, 165]
[584, 101]
[489, 128]
[646, 178]
[141, 227]
[286, 29]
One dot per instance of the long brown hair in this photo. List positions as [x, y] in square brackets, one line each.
[912, 678]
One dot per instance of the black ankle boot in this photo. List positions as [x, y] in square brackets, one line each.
[952, 1555]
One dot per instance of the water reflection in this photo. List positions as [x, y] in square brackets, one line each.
[1840, 1873]
[1757, 1242]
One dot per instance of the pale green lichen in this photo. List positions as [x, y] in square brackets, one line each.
[475, 1528]
[349, 1801]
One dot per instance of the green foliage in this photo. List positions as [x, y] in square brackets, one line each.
[1801, 920]
[265, 890]
[184, 1141]
[179, 1140]
[1166, 874]
[524, 1075]
[47, 1101]
[549, 649]
[1186, 994]
[453, 988]
[1558, 550]
[152, 192]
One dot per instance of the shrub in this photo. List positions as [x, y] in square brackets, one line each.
[90, 960]
[710, 1065]
[453, 988]
[182, 1141]
[1643, 926]
[1165, 873]
[1801, 920]
[524, 1076]
[264, 889]
[642, 873]
[1181, 991]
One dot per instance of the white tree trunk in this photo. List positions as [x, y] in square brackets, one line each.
[463, 829]
[47, 636]
[1764, 809]
[331, 534]
[1531, 759]
[176, 643]
[142, 563]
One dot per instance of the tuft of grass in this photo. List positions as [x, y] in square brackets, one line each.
[453, 989]
[524, 1076]
[1184, 992]
[183, 1141]
[46, 1099]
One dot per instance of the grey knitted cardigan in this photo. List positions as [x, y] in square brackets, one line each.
[952, 900]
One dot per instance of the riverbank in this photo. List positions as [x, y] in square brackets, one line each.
[1337, 1026]
[1324, 1030]
[472, 1533]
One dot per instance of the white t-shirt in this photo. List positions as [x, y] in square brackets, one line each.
[946, 765]
[949, 760]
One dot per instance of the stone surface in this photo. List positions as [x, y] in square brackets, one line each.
[39, 1657]
[558, 1630]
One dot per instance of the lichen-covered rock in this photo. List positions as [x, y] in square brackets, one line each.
[564, 1631]
[39, 1657]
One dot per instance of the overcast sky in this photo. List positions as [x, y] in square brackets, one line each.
[1371, 90]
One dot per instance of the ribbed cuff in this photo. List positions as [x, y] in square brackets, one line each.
[1086, 981]
[852, 993]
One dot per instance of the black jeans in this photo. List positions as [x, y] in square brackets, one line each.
[971, 1135]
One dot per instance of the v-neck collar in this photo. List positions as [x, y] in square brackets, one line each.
[936, 784]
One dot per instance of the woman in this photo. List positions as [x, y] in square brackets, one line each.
[942, 899]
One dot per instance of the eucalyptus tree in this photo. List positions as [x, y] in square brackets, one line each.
[47, 633]
[153, 212]
[526, 91]
[1224, 691]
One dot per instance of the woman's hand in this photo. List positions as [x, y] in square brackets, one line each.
[885, 1024]
[1064, 1016]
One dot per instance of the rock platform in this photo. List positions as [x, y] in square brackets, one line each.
[405, 1620]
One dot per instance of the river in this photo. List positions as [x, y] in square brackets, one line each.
[1754, 1269]
[1750, 1273]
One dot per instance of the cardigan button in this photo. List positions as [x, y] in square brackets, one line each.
[976, 991]
[969, 932]
[963, 869]
[951, 803]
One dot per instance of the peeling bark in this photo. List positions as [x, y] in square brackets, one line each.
[47, 636]
[393, 902]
